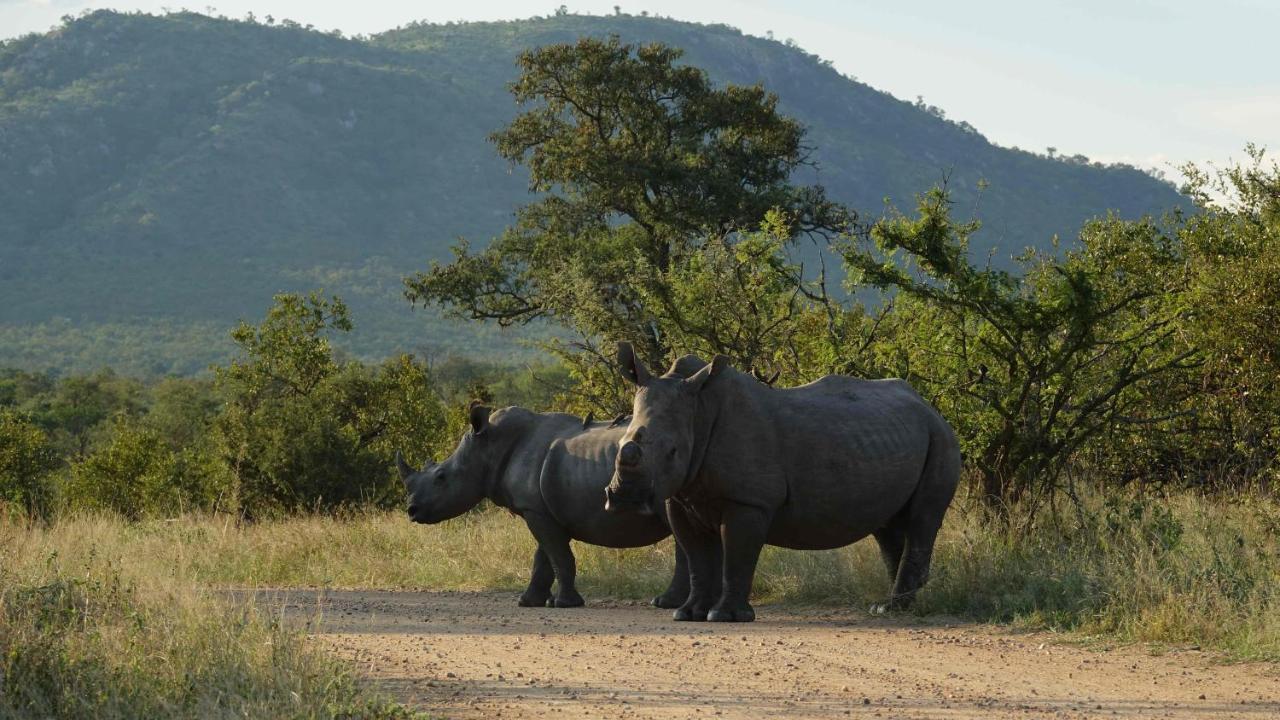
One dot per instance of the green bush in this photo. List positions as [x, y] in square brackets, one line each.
[136, 474]
[303, 432]
[27, 461]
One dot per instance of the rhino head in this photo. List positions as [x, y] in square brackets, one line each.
[444, 490]
[657, 450]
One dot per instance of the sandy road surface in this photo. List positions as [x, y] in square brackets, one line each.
[477, 655]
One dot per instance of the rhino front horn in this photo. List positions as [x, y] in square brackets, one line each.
[405, 468]
[629, 454]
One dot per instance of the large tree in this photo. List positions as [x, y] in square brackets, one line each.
[1029, 368]
[639, 161]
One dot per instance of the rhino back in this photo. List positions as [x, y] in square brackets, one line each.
[521, 451]
[834, 458]
[573, 480]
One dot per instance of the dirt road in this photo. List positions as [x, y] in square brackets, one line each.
[477, 655]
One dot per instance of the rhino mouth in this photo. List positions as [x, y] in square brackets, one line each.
[421, 516]
[637, 500]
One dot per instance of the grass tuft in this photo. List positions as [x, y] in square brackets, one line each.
[84, 636]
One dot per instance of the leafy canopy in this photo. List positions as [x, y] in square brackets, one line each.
[640, 161]
[1032, 367]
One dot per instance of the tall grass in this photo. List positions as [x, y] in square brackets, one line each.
[88, 632]
[1184, 569]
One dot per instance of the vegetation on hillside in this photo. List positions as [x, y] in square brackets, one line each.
[165, 176]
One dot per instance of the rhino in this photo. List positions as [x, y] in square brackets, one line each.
[738, 465]
[550, 469]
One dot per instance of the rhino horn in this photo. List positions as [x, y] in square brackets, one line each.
[766, 379]
[631, 366]
[405, 468]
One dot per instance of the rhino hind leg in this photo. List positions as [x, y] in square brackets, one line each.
[924, 519]
[678, 590]
[892, 539]
[554, 542]
[540, 578]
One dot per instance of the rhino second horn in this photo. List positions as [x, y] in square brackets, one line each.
[405, 468]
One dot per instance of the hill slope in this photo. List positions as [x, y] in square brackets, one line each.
[181, 169]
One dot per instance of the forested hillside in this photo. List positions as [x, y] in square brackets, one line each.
[161, 177]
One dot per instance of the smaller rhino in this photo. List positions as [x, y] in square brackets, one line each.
[551, 469]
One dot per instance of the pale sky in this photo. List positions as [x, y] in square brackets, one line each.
[1150, 82]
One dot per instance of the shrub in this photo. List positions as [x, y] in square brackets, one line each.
[302, 431]
[135, 473]
[27, 461]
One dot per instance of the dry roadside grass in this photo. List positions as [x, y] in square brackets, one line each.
[90, 628]
[1177, 571]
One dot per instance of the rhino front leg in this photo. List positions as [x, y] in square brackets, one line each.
[554, 541]
[540, 580]
[702, 551]
[743, 530]
[678, 591]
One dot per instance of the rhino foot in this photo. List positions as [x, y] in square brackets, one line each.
[742, 614]
[533, 599]
[888, 608]
[567, 600]
[689, 613]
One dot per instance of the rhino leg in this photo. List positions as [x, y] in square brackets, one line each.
[892, 539]
[540, 579]
[913, 573]
[743, 530]
[678, 591]
[923, 520]
[702, 549]
[554, 541]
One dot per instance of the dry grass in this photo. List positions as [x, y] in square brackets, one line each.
[89, 629]
[1179, 570]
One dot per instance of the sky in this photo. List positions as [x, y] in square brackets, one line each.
[1154, 83]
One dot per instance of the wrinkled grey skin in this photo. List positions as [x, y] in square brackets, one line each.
[740, 464]
[550, 469]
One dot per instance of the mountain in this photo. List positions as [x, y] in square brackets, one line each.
[163, 176]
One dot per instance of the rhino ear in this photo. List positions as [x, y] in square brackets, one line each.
[632, 367]
[406, 470]
[479, 416]
[698, 380]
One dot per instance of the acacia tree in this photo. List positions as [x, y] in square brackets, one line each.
[1225, 418]
[639, 161]
[1028, 368]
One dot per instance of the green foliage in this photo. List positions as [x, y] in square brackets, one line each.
[27, 460]
[75, 409]
[1233, 251]
[187, 168]
[643, 159]
[302, 431]
[136, 474]
[1030, 368]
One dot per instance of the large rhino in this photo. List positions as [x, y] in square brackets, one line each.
[739, 464]
[550, 469]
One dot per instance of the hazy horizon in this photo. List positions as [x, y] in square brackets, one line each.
[1150, 84]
